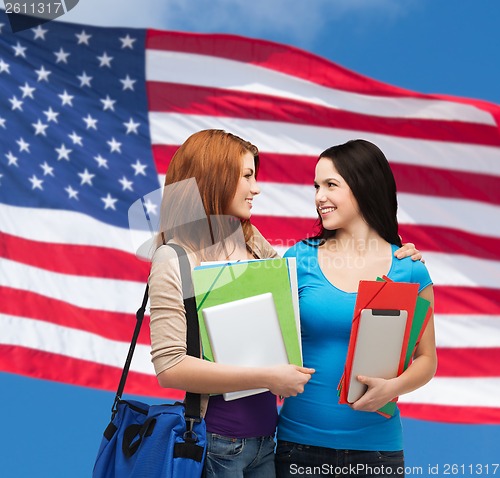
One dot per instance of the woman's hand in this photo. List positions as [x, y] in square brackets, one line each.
[380, 391]
[410, 250]
[288, 380]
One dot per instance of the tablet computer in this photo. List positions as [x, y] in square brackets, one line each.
[246, 332]
[378, 347]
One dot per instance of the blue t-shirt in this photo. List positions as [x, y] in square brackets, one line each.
[315, 416]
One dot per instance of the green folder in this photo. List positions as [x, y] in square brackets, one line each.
[220, 283]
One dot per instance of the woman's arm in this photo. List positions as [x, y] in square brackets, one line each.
[201, 376]
[422, 369]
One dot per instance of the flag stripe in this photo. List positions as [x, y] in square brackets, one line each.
[481, 331]
[106, 323]
[457, 391]
[71, 342]
[454, 414]
[74, 371]
[282, 138]
[73, 259]
[194, 99]
[475, 362]
[87, 292]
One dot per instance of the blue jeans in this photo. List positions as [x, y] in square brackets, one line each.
[294, 460]
[239, 457]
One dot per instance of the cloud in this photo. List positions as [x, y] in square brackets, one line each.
[295, 21]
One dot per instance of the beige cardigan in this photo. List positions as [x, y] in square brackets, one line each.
[168, 318]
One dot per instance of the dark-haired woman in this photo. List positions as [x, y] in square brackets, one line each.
[356, 204]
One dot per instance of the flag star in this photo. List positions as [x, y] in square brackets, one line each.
[12, 159]
[128, 83]
[84, 80]
[23, 145]
[83, 38]
[128, 41]
[114, 145]
[40, 128]
[72, 194]
[4, 66]
[2, 122]
[47, 170]
[108, 103]
[139, 168]
[126, 184]
[105, 60]
[51, 115]
[101, 162]
[19, 50]
[36, 183]
[90, 122]
[86, 177]
[27, 90]
[63, 152]
[39, 32]
[16, 104]
[131, 126]
[151, 207]
[43, 74]
[66, 98]
[61, 56]
[109, 202]
[75, 138]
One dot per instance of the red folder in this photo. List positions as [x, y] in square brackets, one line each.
[379, 295]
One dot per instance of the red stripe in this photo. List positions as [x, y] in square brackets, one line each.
[286, 231]
[111, 325]
[468, 362]
[44, 365]
[218, 102]
[450, 414]
[299, 169]
[90, 261]
[466, 300]
[451, 241]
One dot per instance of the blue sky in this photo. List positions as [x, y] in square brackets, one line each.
[432, 46]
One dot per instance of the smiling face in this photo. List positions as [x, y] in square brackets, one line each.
[247, 188]
[335, 202]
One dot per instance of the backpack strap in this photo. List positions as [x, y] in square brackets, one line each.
[193, 400]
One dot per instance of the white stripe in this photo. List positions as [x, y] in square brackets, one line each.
[459, 270]
[479, 331]
[467, 391]
[82, 291]
[215, 72]
[297, 200]
[74, 343]
[288, 138]
[65, 227]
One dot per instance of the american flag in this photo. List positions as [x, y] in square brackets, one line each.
[89, 120]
